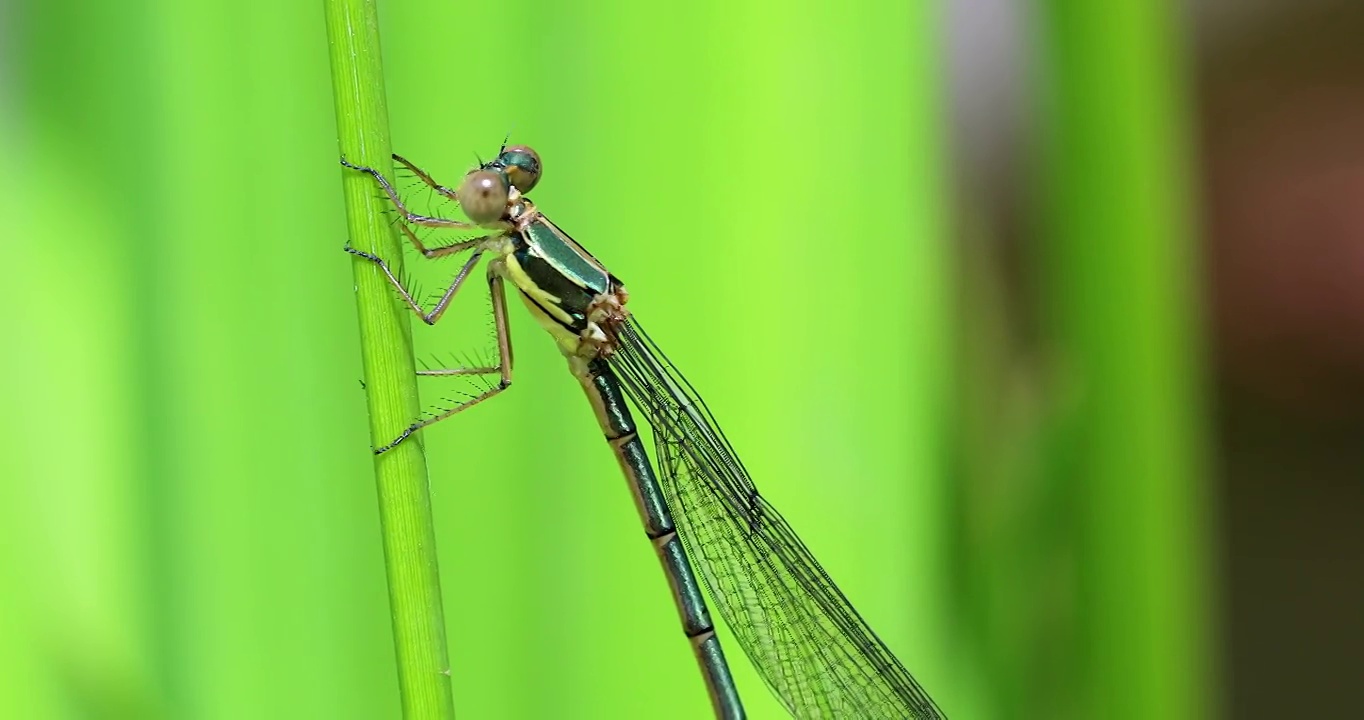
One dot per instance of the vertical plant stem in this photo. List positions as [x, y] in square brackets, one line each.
[1120, 260]
[390, 377]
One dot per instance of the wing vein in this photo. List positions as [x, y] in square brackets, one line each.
[809, 644]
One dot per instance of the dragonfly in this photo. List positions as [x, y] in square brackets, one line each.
[713, 532]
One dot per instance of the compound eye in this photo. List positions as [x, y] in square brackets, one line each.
[523, 167]
[483, 196]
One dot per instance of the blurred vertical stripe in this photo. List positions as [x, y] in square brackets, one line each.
[1118, 260]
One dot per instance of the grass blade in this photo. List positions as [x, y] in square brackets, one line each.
[385, 334]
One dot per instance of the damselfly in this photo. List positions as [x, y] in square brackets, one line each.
[806, 640]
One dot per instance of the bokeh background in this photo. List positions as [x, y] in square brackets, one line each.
[1041, 322]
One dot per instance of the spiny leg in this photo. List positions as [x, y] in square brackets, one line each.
[414, 218]
[429, 318]
[503, 368]
[447, 192]
[421, 175]
[427, 220]
[433, 253]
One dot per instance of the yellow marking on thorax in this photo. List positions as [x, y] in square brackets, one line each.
[567, 341]
[548, 303]
[507, 267]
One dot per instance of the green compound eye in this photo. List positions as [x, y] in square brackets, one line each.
[523, 167]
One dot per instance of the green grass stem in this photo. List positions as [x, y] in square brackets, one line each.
[1121, 259]
[390, 380]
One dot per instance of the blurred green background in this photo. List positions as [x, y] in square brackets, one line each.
[1035, 320]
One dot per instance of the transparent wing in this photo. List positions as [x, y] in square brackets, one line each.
[805, 638]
